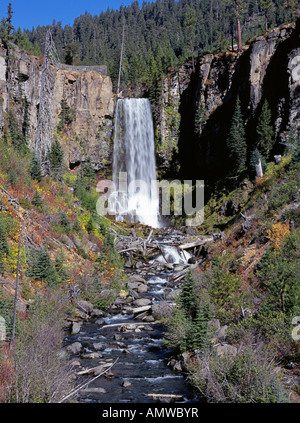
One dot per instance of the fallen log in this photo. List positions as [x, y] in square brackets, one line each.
[131, 324]
[180, 275]
[141, 309]
[165, 396]
[195, 243]
[80, 387]
[93, 370]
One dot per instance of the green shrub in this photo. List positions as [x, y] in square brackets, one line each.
[64, 222]
[35, 169]
[38, 201]
[188, 326]
[225, 282]
[247, 377]
[278, 273]
[41, 268]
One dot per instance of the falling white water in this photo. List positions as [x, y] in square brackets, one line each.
[173, 255]
[136, 195]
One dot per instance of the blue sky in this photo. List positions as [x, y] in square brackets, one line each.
[29, 13]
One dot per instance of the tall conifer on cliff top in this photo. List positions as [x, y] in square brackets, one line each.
[236, 141]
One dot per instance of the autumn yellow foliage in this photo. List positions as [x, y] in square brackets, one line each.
[278, 233]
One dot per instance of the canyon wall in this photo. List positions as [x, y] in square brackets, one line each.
[267, 68]
[86, 92]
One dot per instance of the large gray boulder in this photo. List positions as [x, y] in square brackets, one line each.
[162, 309]
[74, 348]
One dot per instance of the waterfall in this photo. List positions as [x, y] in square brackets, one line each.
[134, 168]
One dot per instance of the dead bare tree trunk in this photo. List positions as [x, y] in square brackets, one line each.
[258, 169]
[121, 57]
[45, 126]
[238, 21]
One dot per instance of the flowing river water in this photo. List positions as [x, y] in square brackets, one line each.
[142, 367]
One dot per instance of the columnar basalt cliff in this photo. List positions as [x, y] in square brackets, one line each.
[267, 68]
[85, 93]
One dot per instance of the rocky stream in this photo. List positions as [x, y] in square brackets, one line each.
[125, 344]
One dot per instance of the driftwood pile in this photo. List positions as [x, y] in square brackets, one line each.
[141, 253]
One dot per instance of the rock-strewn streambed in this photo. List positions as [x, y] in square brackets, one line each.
[130, 336]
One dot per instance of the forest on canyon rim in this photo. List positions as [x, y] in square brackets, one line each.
[51, 239]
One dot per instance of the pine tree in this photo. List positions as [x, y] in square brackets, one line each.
[36, 169]
[190, 26]
[21, 39]
[85, 179]
[10, 27]
[267, 7]
[67, 115]
[296, 153]
[265, 131]
[41, 268]
[4, 30]
[201, 117]
[90, 226]
[38, 201]
[76, 226]
[56, 156]
[64, 221]
[187, 295]
[18, 140]
[236, 141]
[199, 337]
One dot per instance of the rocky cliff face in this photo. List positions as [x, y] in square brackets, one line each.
[85, 92]
[267, 68]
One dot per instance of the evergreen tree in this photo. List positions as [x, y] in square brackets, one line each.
[296, 153]
[36, 169]
[90, 226]
[18, 140]
[236, 141]
[67, 115]
[56, 156]
[76, 226]
[21, 39]
[164, 29]
[200, 336]
[201, 117]
[187, 295]
[292, 142]
[4, 30]
[41, 268]
[190, 26]
[36, 49]
[10, 27]
[38, 201]
[267, 7]
[64, 221]
[265, 131]
[85, 179]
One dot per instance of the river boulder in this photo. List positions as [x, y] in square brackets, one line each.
[162, 309]
[74, 348]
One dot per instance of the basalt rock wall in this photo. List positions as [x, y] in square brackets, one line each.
[85, 91]
[268, 68]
